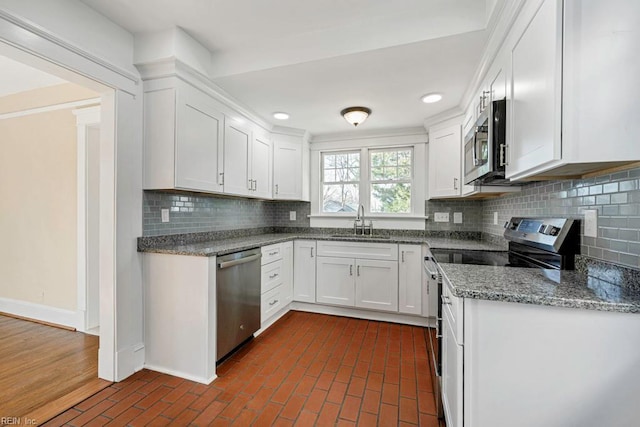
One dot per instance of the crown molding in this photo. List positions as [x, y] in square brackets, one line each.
[449, 114]
[284, 130]
[499, 26]
[173, 67]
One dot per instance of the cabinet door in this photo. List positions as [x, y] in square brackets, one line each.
[498, 85]
[261, 166]
[237, 140]
[536, 60]
[335, 282]
[304, 270]
[377, 284]
[198, 144]
[287, 167]
[452, 375]
[410, 279]
[287, 272]
[445, 160]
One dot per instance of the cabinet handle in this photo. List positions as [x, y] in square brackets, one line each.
[358, 271]
[455, 183]
[255, 185]
[445, 300]
[311, 252]
[250, 187]
[273, 276]
[276, 188]
[221, 178]
[402, 256]
[273, 253]
[350, 269]
[275, 301]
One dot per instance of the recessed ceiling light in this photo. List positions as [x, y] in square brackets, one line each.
[430, 98]
[281, 116]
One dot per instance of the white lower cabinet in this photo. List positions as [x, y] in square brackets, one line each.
[410, 279]
[304, 271]
[287, 272]
[377, 284]
[335, 281]
[452, 374]
[275, 282]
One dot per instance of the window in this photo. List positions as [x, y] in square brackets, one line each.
[383, 185]
[341, 182]
[391, 175]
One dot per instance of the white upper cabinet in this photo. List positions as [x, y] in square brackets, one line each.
[536, 77]
[237, 148]
[183, 140]
[601, 83]
[261, 164]
[445, 162]
[287, 167]
[572, 73]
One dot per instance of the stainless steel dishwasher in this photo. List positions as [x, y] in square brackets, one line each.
[238, 299]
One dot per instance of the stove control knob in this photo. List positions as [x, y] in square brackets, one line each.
[554, 231]
[542, 229]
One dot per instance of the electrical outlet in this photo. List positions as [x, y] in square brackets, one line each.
[457, 217]
[495, 218]
[441, 217]
[590, 223]
[292, 215]
[165, 215]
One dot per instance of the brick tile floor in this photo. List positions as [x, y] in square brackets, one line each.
[306, 370]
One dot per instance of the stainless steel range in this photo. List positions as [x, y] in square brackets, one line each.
[550, 243]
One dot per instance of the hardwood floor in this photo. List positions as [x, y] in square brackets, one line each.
[44, 370]
[306, 370]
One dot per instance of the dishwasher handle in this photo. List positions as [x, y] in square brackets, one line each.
[239, 261]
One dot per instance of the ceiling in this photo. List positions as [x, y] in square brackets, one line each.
[17, 77]
[314, 58]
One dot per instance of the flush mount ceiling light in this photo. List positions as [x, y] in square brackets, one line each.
[355, 115]
[280, 115]
[430, 98]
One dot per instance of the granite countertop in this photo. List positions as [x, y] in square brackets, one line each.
[462, 244]
[572, 289]
[229, 245]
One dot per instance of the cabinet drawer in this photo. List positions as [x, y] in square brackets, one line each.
[271, 302]
[452, 307]
[271, 253]
[363, 250]
[272, 276]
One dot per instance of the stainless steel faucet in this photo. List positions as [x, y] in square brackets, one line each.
[359, 225]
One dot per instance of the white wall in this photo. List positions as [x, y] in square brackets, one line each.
[67, 35]
[38, 220]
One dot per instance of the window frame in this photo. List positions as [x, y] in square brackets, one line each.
[365, 182]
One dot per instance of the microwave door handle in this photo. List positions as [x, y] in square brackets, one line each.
[475, 147]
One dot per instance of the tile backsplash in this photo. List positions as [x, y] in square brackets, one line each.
[615, 196]
[196, 213]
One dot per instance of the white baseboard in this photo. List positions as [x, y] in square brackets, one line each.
[179, 374]
[129, 361]
[39, 312]
[361, 314]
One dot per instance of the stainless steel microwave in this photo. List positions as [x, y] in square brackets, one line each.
[485, 147]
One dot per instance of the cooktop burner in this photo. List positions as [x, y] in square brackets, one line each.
[498, 259]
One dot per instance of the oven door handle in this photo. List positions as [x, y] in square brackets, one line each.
[434, 274]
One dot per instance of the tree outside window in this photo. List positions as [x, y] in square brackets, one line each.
[391, 175]
[341, 182]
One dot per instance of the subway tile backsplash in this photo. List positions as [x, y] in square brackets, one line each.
[615, 196]
[196, 213]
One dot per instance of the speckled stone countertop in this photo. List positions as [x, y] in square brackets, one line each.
[229, 245]
[572, 289]
[462, 244]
